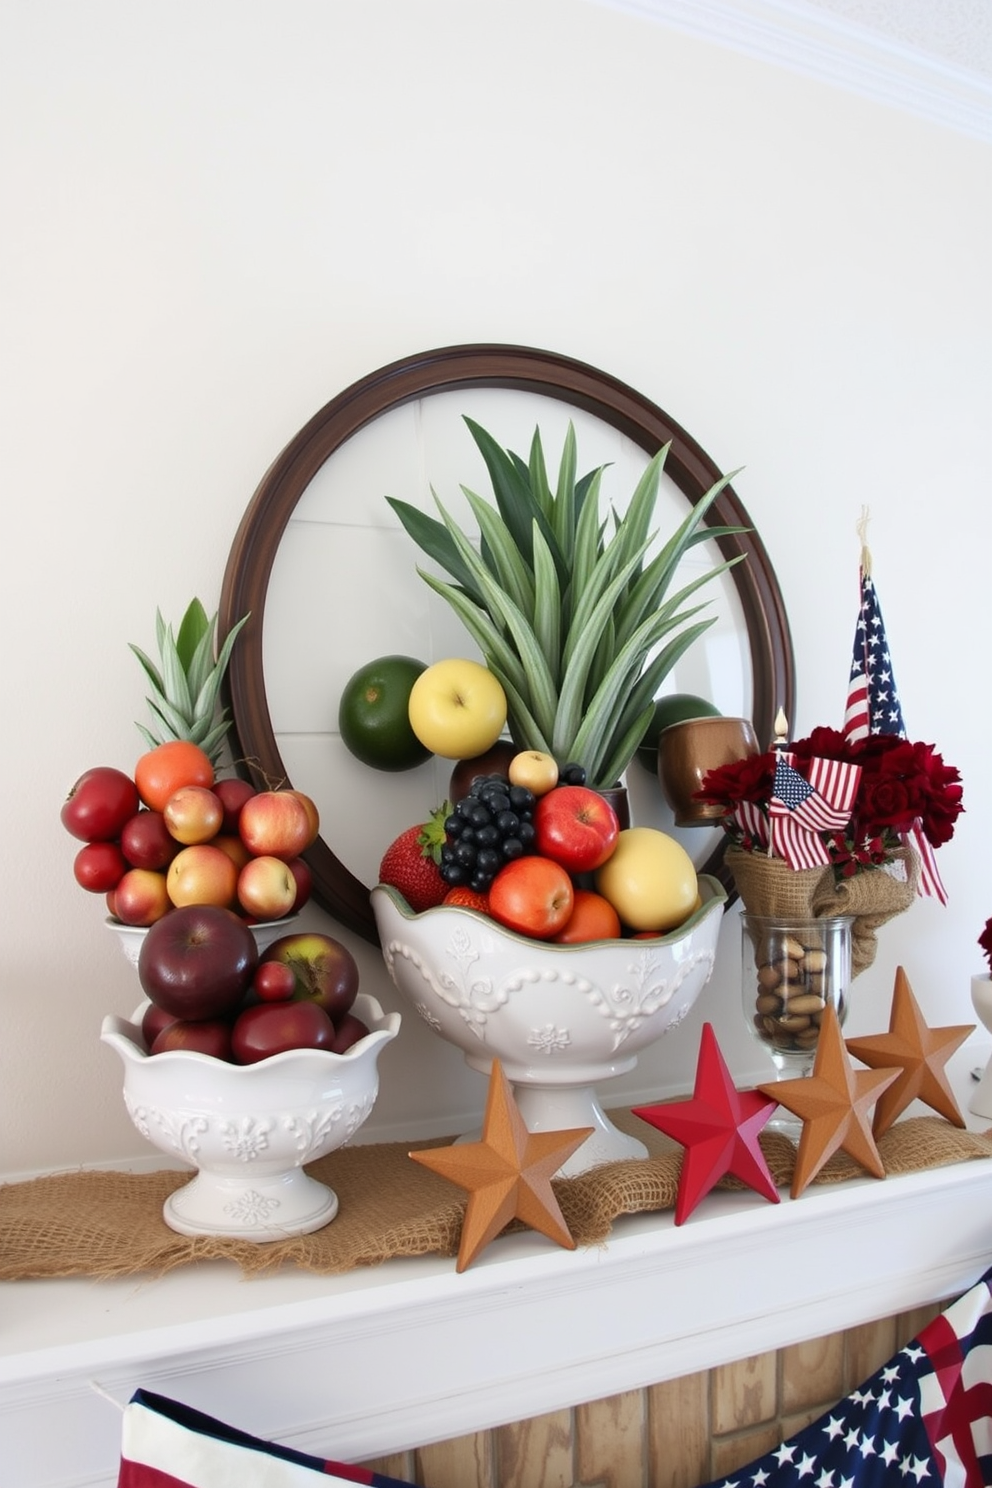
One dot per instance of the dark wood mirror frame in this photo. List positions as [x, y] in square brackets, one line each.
[260, 532]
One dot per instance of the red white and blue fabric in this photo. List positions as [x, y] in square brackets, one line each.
[924, 1420]
[873, 707]
[801, 808]
[753, 821]
[168, 1445]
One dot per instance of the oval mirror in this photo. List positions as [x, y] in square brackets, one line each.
[329, 577]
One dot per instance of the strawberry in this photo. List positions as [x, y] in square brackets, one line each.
[410, 864]
[468, 899]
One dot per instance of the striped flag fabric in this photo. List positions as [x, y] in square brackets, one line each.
[924, 1420]
[873, 706]
[165, 1444]
[801, 809]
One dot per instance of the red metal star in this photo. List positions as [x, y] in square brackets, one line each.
[718, 1128]
[508, 1174]
[918, 1052]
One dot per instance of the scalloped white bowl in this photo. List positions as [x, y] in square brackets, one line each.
[249, 1129]
[558, 1018]
[131, 937]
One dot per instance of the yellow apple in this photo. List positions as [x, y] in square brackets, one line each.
[535, 770]
[649, 879]
[457, 708]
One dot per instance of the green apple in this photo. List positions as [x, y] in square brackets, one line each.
[457, 708]
[533, 769]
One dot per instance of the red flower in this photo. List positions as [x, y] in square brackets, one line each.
[901, 783]
[985, 941]
[748, 779]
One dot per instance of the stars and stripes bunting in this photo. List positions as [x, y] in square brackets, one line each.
[165, 1444]
[924, 1420]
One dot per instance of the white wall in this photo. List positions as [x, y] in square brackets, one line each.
[217, 215]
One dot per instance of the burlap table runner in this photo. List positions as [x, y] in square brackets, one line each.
[106, 1224]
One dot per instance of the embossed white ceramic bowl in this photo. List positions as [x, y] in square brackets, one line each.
[249, 1129]
[558, 1018]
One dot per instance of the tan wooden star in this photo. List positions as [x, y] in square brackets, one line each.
[833, 1104]
[508, 1174]
[917, 1053]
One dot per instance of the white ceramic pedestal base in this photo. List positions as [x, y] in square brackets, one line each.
[981, 1000]
[556, 1108]
[551, 1108]
[255, 1207]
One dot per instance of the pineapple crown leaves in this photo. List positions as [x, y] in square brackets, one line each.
[186, 685]
[567, 607]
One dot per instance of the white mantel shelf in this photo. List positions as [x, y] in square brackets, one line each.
[411, 1352]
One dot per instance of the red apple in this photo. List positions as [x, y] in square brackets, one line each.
[274, 824]
[232, 794]
[153, 1020]
[266, 888]
[532, 895]
[348, 1031]
[141, 897]
[576, 827]
[326, 971]
[273, 981]
[300, 869]
[234, 847]
[208, 1036]
[313, 816]
[193, 814]
[99, 804]
[273, 1027]
[198, 962]
[202, 874]
[99, 867]
[146, 841]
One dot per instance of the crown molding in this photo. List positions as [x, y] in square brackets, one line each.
[821, 45]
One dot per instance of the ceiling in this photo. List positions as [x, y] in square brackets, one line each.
[932, 58]
[956, 32]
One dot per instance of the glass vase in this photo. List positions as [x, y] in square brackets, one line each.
[792, 970]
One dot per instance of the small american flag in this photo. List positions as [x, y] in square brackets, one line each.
[169, 1445]
[800, 809]
[873, 705]
[924, 1420]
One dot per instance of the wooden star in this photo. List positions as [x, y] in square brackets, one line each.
[833, 1104]
[718, 1128]
[917, 1053]
[508, 1174]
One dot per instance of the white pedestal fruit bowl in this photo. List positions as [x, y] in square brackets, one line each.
[249, 1129]
[559, 1018]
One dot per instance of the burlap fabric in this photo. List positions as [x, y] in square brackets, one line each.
[108, 1224]
[768, 886]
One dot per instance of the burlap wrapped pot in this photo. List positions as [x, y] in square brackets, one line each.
[768, 886]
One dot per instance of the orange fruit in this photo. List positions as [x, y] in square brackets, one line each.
[592, 918]
[167, 768]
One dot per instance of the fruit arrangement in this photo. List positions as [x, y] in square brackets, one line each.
[172, 835]
[544, 855]
[195, 860]
[210, 991]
